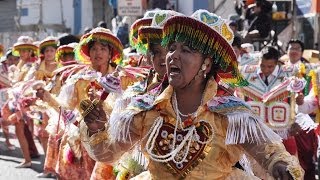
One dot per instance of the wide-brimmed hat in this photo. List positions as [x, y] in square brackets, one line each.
[101, 35]
[65, 50]
[209, 34]
[24, 42]
[145, 21]
[153, 33]
[48, 41]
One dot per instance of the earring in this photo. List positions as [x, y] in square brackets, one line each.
[203, 67]
[205, 75]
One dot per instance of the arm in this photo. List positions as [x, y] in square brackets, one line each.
[104, 146]
[273, 157]
[309, 104]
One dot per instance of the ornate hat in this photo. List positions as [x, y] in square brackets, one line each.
[48, 41]
[145, 21]
[64, 50]
[24, 42]
[101, 35]
[153, 33]
[211, 35]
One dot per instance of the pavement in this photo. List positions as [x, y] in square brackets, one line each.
[11, 158]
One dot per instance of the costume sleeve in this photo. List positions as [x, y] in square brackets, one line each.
[39, 75]
[310, 104]
[51, 100]
[102, 146]
[268, 154]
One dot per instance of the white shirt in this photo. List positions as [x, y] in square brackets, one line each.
[309, 105]
[271, 77]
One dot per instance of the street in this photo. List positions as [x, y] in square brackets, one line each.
[11, 158]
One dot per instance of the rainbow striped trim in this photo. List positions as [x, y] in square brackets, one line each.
[43, 45]
[133, 35]
[82, 50]
[15, 49]
[63, 51]
[208, 41]
[146, 35]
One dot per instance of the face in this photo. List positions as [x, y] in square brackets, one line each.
[12, 60]
[294, 52]
[25, 54]
[49, 53]
[183, 63]
[158, 58]
[99, 54]
[67, 58]
[267, 66]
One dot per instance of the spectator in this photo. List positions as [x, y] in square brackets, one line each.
[295, 51]
[123, 32]
[102, 24]
[260, 20]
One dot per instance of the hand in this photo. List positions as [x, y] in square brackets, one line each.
[95, 119]
[40, 93]
[294, 129]
[300, 99]
[280, 171]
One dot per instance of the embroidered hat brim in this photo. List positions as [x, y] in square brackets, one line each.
[82, 51]
[208, 41]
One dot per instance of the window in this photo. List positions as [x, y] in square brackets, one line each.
[24, 12]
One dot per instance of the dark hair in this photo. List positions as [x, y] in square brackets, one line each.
[233, 23]
[296, 41]
[90, 45]
[270, 53]
[265, 6]
[102, 24]
[67, 39]
[237, 41]
[42, 50]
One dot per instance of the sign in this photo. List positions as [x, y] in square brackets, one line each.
[130, 8]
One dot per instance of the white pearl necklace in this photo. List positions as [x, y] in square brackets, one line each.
[192, 135]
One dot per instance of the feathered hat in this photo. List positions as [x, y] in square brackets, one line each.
[65, 50]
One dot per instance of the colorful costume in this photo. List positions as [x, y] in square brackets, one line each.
[208, 143]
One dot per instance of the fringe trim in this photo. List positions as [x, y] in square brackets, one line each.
[119, 124]
[283, 133]
[244, 127]
[305, 122]
[66, 94]
[139, 157]
[245, 163]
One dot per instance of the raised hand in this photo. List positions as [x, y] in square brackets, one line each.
[93, 115]
[280, 171]
[300, 99]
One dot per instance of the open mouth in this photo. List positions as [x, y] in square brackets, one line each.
[163, 64]
[174, 70]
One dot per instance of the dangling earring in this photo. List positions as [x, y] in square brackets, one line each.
[203, 67]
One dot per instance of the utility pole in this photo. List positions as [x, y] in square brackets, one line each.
[40, 23]
[104, 10]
